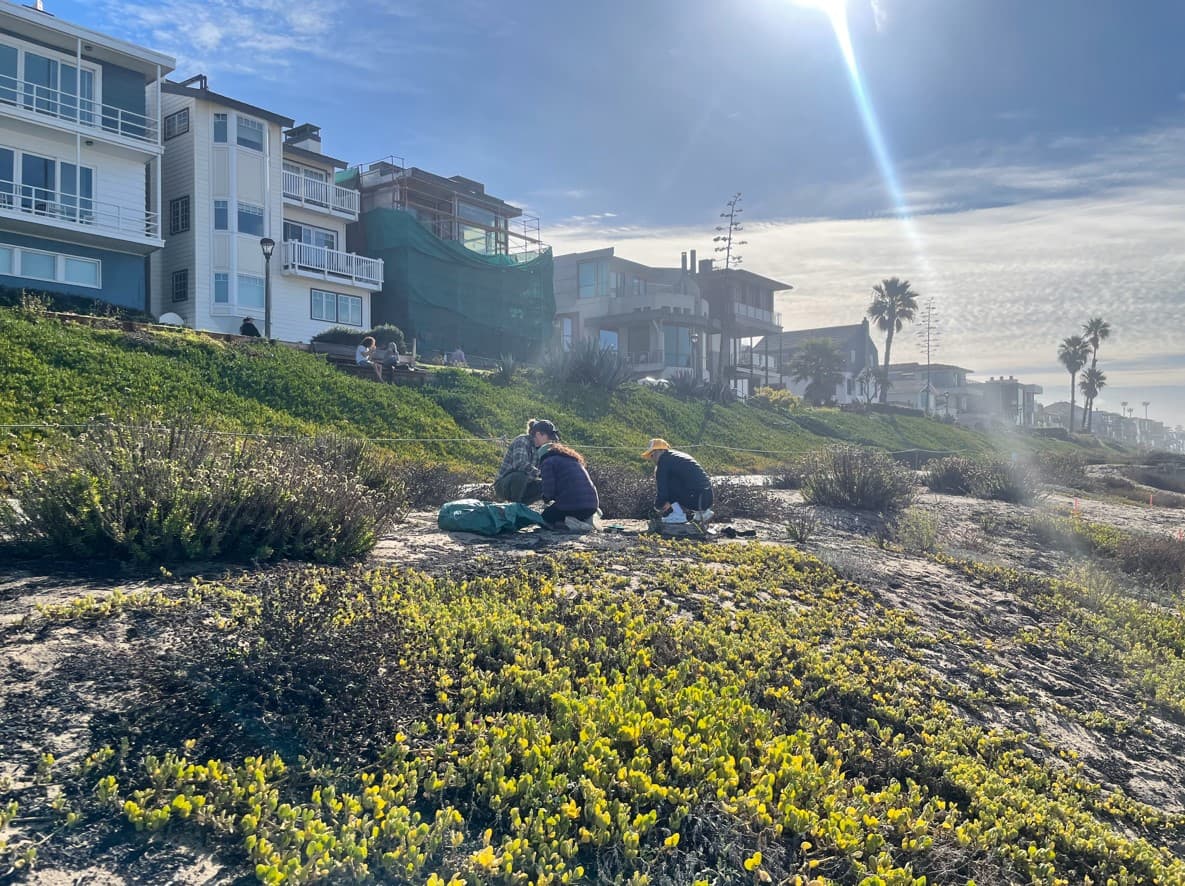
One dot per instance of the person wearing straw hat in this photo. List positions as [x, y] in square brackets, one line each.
[683, 489]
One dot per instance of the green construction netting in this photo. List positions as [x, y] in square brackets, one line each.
[446, 295]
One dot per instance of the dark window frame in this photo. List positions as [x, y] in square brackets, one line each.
[182, 276]
[178, 116]
[176, 225]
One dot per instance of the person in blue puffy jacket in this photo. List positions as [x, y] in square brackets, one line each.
[566, 484]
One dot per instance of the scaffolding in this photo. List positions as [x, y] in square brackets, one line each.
[453, 208]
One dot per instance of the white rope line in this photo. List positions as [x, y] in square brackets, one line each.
[471, 439]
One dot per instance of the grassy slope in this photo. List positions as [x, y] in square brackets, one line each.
[65, 374]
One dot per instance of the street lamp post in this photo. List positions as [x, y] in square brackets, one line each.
[267, 244]
[695, 355]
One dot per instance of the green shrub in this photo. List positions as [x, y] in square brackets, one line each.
[801, 524]
[157, 494]
[587, 363]
[505, 370]
[737, 499]
[776, 400]
[430, 484]
[953, 475]
[995, 480]
[859, 478]
[382, 335]
[40, 301]
[1063, 469]
[917, 530]
[1159, 559]
[626, 492]
[1013, 482]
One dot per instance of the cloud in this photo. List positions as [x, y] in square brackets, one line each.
[563, 193]
[880, 14]
[1008, 281]
[269, 38]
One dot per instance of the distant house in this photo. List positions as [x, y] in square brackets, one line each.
[744, 305]
[771, 355]
[655, 317]
[941, 388]
[235, 175]
[80, 149]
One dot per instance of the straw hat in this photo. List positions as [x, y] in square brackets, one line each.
[656, 444]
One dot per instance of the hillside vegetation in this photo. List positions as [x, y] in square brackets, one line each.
[69, 374]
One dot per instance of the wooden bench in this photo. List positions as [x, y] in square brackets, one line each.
[342, 356]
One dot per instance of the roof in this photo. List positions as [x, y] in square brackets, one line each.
[794, 338]
[466, 187]
[921, 367]
[204, 93]
[313, 156]
[747, 276]
[137, 58]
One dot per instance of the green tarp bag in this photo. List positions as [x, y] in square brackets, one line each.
[485, 517]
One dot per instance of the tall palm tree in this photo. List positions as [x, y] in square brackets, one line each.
[893, 304]
[1145, 404]
[1093, 381]
[1095, 330]
[1073, 353]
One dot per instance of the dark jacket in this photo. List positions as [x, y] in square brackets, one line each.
[679, 478]
[566, 483]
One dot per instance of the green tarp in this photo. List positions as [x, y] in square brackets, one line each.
[448, 296]
[484, 517]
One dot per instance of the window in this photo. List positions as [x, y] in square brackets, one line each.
[250, 219]
[50, 266]
[250, 292]
[677, 346]
[607, 339]
[177, 124]
[311, 235]
[249, 133]
[333, 307]
[181, 285]
[39, 265]
[639, 286]
[221, 216]
[221, 289]
[179, 215]
[80, 271]
[219, 129]
[593, 279]
[566, 333]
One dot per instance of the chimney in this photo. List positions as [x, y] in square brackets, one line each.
[683, 262]
[694, 266]
[306, 137]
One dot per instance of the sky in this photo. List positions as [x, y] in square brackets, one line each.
[1020, 162]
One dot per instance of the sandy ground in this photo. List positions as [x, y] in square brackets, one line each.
[51, 688]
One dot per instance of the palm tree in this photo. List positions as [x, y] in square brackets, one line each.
[1096, 330]
[1145, 404]
[1093, 381]
[820, 365]
[1072, 353]
[893, 303]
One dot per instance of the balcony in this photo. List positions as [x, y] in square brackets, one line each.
[748, 312]
[319, 195]
[95, 221]
[33, 102]
[321, 263]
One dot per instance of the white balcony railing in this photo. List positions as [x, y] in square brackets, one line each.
[332, 264]
[96, 215]
[86, 113]
[751, 313]
[320, 195]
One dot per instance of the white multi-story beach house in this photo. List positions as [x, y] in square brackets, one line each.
[240, 180]
[80, 150]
